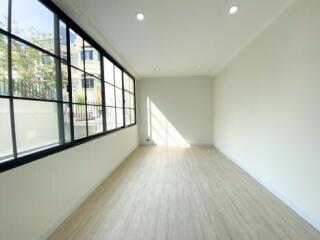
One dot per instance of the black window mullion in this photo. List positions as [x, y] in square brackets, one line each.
[70, 84]
[115, 96]
[58, 76]
[10, 84]
[85, 86]
[123, 101]
[25, 42]
[135, 102]
[104, 116]
[81, 70]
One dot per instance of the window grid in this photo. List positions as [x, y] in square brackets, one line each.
[62, 102]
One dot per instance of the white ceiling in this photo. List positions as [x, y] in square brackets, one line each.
[176, 36]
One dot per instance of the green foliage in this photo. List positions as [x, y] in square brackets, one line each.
[3, 65]
[80, 97]
[33, 71]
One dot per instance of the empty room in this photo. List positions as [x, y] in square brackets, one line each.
[159, 120]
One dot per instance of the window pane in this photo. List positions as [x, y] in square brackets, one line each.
[79, 121]
[109, 92]
[92, 60]
[125, 81]
[119, 117]
[67, 126]
[111, 118]
[129, 100]
[36, 125]
[128, 122]
[128, 83]
[126, 99]
[118, 77]
[76, 49]
[63, 41]
[3, 65]
[64, 77]
[119, 101]
[78, 89]
[108, 71]
[93, 90]
[133, 117]
[95, 124]
[33, 73]
[5, 129]
[33, 22]
[4, 14]
[131, 85]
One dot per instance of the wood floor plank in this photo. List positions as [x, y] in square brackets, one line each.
[168, 193]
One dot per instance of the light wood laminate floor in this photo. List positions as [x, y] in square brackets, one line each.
[182, 194]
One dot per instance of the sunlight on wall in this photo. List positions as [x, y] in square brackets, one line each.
[160, 130]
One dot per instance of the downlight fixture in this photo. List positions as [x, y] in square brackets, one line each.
[233, 10]
[140, 16]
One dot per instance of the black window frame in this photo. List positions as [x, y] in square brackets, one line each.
[60, 16]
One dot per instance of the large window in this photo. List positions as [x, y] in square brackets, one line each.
[58, 87]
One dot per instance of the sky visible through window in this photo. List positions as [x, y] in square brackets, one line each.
[24, 16]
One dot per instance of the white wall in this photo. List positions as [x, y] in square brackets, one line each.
[180, 109]
[36, 197]
[266, 109]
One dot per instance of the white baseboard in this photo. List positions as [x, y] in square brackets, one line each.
[279, 195]
[77, 204]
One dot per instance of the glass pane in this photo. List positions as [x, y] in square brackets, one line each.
[111, 118]
[128, 83]
[92, 60]
[118, 77]
[63, 41]
[78, 88]
[5, 129]
[119, 101]
[131, 85]
[4, 14]
[131, 101]
[3, 65]
[126, 99]
[36, 125]
[33, 22]
[95, 124]
[133, 117]
[76, 49]
[108, 71]
[125, 81]
[119, 117]
[64, 77]
[94, 95]
[79, 121]
[33, 73]
[67, 126]
[128, 122]
[109, 92]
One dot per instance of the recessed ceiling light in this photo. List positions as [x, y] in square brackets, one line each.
[198, 66]
[233, 9]
[157, 69]
[140, 16]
